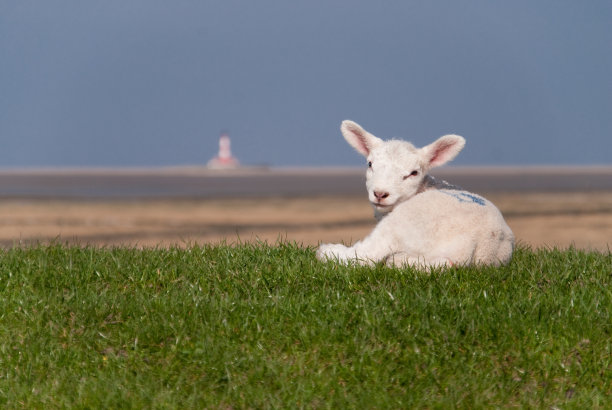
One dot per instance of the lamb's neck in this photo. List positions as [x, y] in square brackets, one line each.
[380, 215]
[430, 183]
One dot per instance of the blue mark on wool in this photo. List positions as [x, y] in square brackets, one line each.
[463, 196]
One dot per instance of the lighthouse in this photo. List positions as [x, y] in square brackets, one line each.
[224, 159]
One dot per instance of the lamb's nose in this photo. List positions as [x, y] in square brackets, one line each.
[380, 195]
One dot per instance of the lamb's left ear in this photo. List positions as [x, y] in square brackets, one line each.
[443, 150]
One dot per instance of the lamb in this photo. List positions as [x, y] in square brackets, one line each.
[422, 222]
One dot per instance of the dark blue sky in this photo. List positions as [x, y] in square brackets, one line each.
[151, 82]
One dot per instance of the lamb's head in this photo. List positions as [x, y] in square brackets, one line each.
[396, 169]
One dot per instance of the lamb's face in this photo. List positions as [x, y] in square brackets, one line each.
[396, 168]
[395, 172]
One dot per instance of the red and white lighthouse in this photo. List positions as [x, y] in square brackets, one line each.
[224, 158]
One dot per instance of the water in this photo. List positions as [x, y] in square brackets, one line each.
[205, 184]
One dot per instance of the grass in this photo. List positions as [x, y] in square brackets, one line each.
[264, 326]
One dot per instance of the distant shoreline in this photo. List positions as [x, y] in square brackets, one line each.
[203, 170]
[200, 182]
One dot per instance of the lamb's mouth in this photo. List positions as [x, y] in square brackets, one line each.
[382, 207]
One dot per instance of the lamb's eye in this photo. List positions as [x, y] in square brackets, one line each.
[412, 174]
[369, 164]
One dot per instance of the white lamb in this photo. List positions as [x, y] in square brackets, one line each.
[422, 222]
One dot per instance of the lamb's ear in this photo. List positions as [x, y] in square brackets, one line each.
[443, 150]
[359, 138]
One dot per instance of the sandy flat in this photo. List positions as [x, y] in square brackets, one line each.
[552, 219]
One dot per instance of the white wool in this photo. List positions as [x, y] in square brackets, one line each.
[422, 222]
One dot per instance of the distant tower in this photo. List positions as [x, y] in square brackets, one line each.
[224, 159]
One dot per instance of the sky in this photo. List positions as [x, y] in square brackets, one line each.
[119, 83]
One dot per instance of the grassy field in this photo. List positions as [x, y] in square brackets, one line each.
[268, 326]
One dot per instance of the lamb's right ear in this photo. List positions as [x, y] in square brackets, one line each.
[359, 138]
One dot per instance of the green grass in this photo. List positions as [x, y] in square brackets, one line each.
[271, 327]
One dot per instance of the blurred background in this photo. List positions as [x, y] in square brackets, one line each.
[112, 106]
[150, 82]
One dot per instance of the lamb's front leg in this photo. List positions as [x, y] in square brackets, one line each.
[373, 248]
[334, 251]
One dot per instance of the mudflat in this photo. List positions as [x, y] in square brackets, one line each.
[563, 219]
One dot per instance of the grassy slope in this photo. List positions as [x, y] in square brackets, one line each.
[269, 326]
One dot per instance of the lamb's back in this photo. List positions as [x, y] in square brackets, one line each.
[440, 216]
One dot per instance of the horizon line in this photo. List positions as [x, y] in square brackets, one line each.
[204, 170]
